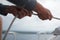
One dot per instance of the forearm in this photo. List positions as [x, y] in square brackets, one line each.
[2, 9]
[39, 8]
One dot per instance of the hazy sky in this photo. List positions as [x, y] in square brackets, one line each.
[34, 23]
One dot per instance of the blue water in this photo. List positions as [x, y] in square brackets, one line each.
[19, 36]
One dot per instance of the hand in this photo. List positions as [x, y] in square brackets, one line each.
[17, 11]
[24, 13]
[43, 13]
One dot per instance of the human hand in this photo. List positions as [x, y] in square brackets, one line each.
[42, 12]
[45, 15]
[23, 12]
[17, 11]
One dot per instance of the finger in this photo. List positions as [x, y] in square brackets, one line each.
[50, 15]
[42, 17]
[21, 14]
[45, 16]
[14, 12]
[28, 13]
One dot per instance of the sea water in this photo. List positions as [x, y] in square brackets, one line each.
[20, 36]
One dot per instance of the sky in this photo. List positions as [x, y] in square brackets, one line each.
[34, 23]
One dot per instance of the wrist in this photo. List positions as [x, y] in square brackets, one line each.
[39, 8]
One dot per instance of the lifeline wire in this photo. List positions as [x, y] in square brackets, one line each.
[9, 28]
[52, 17]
